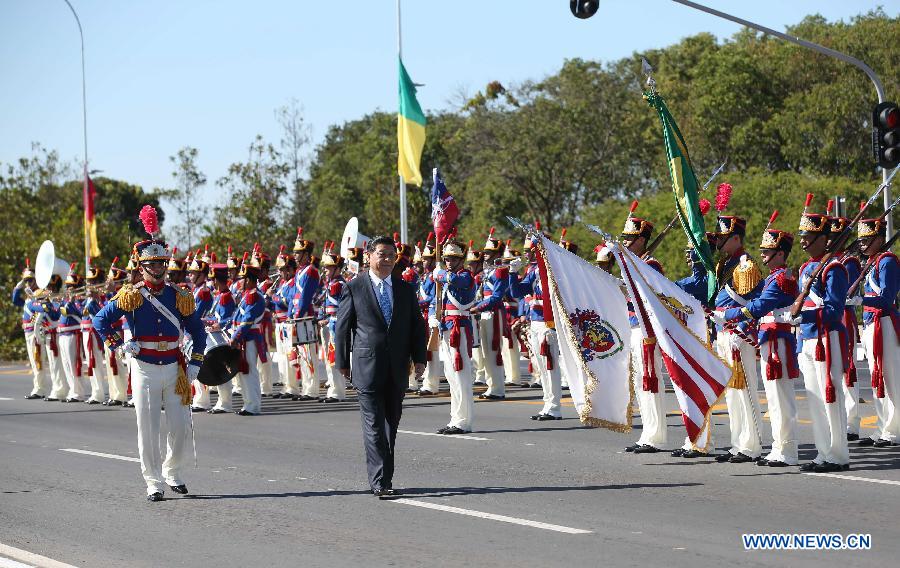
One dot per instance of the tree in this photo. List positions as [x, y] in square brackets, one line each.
[253, 206]
[185, 196]
[295, 137]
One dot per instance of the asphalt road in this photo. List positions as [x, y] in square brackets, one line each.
[288, 488]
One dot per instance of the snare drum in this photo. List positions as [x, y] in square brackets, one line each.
[220, 359]
[305, 331]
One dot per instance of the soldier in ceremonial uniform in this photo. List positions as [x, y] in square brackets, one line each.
[116, 368]
[282, 294]
[492, 323]
[158, 314]
[306, 285]
[822, 355]
[248, 337]
[69, 338]
[778, 346]
[513, 310]
[474, 264]
[881, 330]
[542, 339]
[47, 321]
[850, 386]
[35, 345]
[94, 349]
[458, 297]
[197, 271]
[332, 264]
[741, 282]
[222, 314]
[431, 380]
[646, 377]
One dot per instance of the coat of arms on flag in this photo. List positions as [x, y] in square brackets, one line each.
[597, 337]
[591, 317]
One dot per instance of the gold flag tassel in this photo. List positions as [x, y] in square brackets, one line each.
[182, 386]
[738, 378]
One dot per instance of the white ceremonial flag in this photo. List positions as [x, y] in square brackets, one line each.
[665, 312]
[591, 318]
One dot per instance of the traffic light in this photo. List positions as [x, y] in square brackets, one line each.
[584, 8]
[886, 134]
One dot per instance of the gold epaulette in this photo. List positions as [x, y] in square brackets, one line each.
[128, 298]
[746, 276]
[184, 301]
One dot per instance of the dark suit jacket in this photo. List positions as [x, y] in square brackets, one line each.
[379, 354]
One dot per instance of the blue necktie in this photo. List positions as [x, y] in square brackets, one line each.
[384, 301]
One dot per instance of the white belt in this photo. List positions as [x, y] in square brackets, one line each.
[536, 303]
[66, 328]
[158, 345]
[463, 313]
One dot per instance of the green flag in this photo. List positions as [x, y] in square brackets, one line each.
[686, 189]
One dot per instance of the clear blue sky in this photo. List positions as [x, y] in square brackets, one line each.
[164, 74]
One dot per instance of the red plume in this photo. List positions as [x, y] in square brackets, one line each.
[537, 224]
[705, 206]
[430, 235]
[419, 244]
[471, 242]
[772, 218]
[149, 219]
[229, 250]
[563, 235]
[281, 249]
[246, 254]
[862, 205]
[213, 258]
[174, 251]
[809, 198]
[27, 262]
[491, 232]
[299, 231]
[829, 206]
[115, 260]
[634, 205]
[723, 196]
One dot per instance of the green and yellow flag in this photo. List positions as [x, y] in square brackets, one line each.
[410, 131]
[686, 189]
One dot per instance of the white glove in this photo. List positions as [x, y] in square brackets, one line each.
[436, 272]
[515, 265]
[433, 321]
[192, 372]
[131, 348]
[717, 317]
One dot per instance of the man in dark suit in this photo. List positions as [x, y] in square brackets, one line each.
[379, 321]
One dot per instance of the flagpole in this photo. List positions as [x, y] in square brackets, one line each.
[87, 244]
[403, 223]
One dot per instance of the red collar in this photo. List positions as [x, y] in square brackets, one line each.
[155, 288]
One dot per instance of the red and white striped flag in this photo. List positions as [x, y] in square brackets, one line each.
[698, 375]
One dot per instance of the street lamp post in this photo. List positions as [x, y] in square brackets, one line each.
[87, 251]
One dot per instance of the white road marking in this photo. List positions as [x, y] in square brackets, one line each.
[10, 563]
[457, 436]
[4, 398]
[854, 478]
[31, 558]
[491, 516]
[100, 455]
